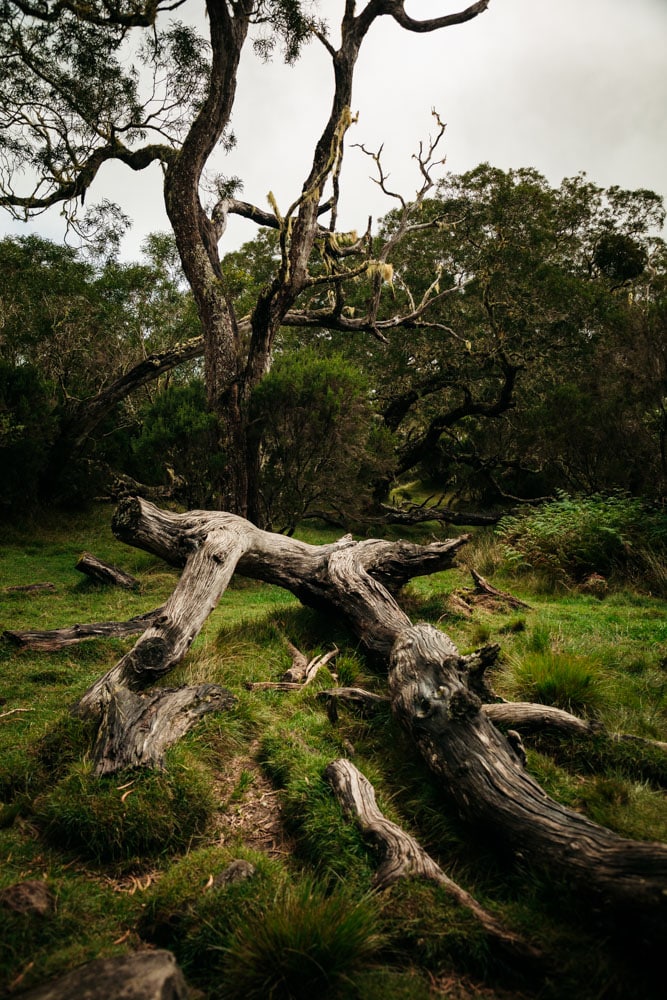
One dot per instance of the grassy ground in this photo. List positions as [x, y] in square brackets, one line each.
[133, 861]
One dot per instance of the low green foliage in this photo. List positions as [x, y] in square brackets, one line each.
[128, 817]
[193, 910]
[322, 446]
[427, 927]
[566, 681]
[296, 752]
[307, 943]
[98, 842]
[570, 538]
[176, 434]
[88, 920]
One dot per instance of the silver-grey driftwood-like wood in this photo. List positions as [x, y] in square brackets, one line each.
[432, 687]
[404, 857]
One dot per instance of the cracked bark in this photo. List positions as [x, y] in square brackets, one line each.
[432, 688]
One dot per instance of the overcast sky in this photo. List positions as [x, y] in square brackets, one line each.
[559, 85]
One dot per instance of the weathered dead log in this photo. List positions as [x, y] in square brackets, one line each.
[412, 513]
[273, 686]
[569, 738]
[299, 668]
[103, 572]
[429, 685]
[52, 639]
[30, 588]
[484, 594]
[476, 664]
[173, 537]
[530, 718]
[307, 672]
[212, 545]
[404, 857]
[366, 702]
[492, 790]
[170, 634]
[137, 729]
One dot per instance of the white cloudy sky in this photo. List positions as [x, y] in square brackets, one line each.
[560, 85]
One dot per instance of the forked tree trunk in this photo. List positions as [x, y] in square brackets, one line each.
[433, 689]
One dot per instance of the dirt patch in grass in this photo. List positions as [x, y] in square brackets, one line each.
[251, 808]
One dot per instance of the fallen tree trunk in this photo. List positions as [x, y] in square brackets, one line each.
[211, 545]
[413, 513]
[480, 772]
[429, 685]
[50, 640]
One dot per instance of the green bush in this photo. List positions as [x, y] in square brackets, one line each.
[176, 434]
[27, 428]
[322, 448]
[570, 538]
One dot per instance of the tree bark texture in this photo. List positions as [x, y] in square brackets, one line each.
[49, 640]
[432, 687]
[138, 728]
[404, 857]
[103, 572]
[492, 790]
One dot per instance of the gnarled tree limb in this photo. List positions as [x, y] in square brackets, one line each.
[404, 857]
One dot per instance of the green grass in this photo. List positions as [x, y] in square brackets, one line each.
[138, 858]
[306, 943]
[564, 680]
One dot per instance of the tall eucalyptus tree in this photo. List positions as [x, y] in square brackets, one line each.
[71, 101]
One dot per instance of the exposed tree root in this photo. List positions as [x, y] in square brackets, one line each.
[137, 728]
[103, 572]
[404, 857]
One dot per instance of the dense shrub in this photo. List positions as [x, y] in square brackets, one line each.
[175, 441]
[569, 538]
[26, 431]
[322, 448]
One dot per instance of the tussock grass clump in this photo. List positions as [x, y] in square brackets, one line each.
[68, 740]
[129, 816]
[564, 680]
[633, 809]
[307, 944]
